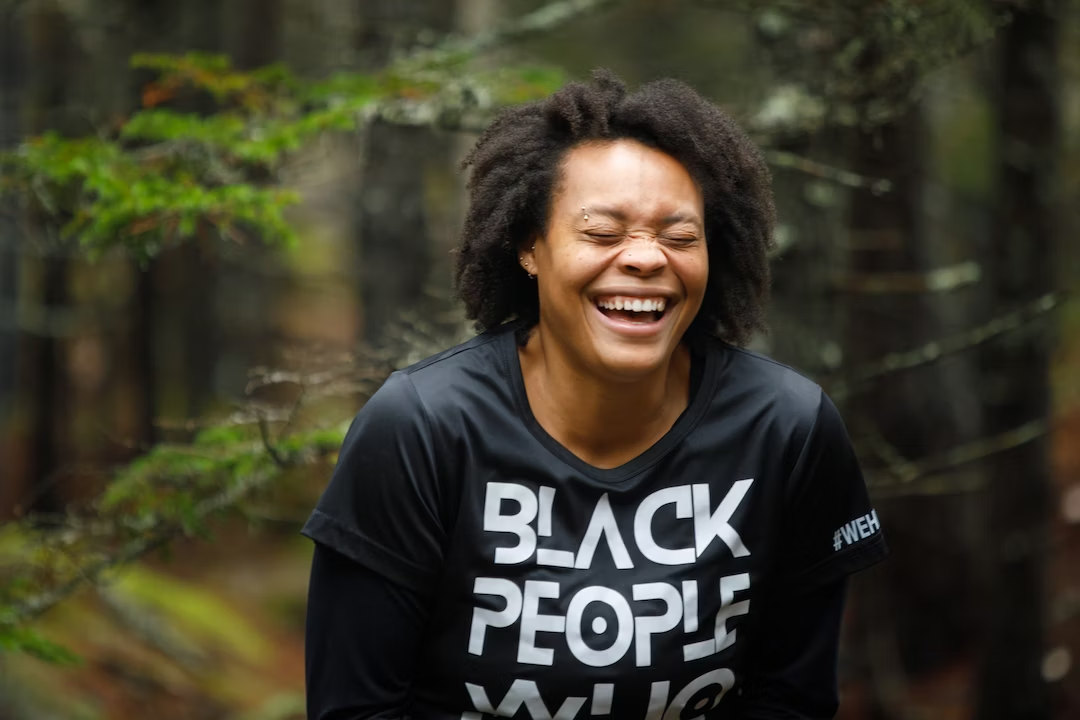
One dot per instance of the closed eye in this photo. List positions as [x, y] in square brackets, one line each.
[602, 236]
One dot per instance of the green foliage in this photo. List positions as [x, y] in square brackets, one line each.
[15, 638]
[172, 491]
[525, 84]
[168, 174]
[256, 90]
[106, 195]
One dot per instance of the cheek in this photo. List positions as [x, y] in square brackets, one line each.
[703, 273]
[567, 276]
[577, 268]
[694, 271]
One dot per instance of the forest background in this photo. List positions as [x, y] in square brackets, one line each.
[223, 223]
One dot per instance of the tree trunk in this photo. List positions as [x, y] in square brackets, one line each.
[12, 81]
[806, 322]
[924, 595]
[41, 372]
[258, 42]
[177, 291]
[393, 223]
[882, 232]
[134, 377]
[1016, 368]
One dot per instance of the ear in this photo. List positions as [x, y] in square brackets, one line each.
[527, 256]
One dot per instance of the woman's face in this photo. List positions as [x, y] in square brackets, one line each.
[622, 268]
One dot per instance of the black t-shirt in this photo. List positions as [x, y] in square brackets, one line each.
[560, 590]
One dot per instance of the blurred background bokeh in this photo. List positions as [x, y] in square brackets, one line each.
[209, 260]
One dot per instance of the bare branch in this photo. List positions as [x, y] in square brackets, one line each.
[460, 109]
[782, 159]
[930, 475]
[261, 379]
[899, 467]
[237, 419]
[264, 433]
[984, 447]
[38, 604]
[938, 280]
[933, 351]
[544, 19]
[131, 550]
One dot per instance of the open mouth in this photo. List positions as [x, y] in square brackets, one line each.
[640, 310]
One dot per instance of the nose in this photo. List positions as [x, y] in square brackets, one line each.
[642, 256]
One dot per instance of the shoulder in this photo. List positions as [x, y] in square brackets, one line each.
[770, 384]
[481, 349]
[770, 401]
[459, 378]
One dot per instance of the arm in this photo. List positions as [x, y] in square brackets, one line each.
[791, 669]
[379, 538]
[830, 531]
[363, 633]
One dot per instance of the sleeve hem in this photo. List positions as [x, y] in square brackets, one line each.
[327, 530]
[847, 562]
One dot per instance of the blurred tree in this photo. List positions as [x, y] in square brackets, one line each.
[864, 274]
[42, 401]
[182, 290]
[12, 80]
[398, 164]
[1020, 261]
[899, 300]
[258, 39]
[911, 283]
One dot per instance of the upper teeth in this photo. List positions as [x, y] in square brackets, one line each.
[633, 304]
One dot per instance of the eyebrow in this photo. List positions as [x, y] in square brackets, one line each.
[617, 214]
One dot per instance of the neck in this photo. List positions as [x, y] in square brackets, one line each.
[605, 423]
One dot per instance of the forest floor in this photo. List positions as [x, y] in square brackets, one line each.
[214, 632]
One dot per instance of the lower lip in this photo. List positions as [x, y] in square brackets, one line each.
[634, 329]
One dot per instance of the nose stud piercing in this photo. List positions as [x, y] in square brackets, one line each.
[584, 212]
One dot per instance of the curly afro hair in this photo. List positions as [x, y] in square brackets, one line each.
[516, 167]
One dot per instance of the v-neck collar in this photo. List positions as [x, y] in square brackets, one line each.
[703, 373]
